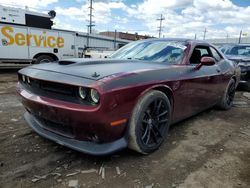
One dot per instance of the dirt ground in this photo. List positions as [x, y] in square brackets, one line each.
[211, 149]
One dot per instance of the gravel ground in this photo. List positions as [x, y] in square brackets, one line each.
[211, 149]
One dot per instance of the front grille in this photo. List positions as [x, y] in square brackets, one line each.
[59, 128]
[54, 90]
[52, 87]
[56, 87]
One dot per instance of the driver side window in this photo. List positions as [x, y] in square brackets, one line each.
[198, 53]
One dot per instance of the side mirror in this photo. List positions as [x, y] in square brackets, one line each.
[205, 61]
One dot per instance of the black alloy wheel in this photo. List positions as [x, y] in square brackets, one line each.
[153, 123]
[149, 122]
[226, 101]
[230, 94]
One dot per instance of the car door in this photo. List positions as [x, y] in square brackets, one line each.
[222, 68]
[199, 86]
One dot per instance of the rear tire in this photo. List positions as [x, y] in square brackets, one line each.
[149, 122]
[228, 97]
[44, 59]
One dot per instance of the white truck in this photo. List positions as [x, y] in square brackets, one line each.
[27, 36]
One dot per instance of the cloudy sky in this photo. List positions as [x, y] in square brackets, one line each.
[183, 18]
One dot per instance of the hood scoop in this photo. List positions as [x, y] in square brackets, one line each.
[65, 62]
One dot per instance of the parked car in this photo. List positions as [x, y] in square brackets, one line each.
[130, 100]
[240, 54]
[97, 53]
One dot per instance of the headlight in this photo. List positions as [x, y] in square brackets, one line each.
[82, 92]
[23, 78]
[94, 95]
[28, 80]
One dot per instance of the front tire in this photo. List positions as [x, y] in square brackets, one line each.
[149, 122]
[228, 97]
[44, 59]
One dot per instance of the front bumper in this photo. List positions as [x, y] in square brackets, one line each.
[81, 146]
[245, 73]
[84, 128]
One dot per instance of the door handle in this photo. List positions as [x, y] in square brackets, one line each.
[218, 70]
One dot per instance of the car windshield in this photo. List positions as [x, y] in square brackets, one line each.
[239, 50]
[170, 52]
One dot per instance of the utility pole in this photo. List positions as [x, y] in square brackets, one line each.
[227, 37]
[160, 27]
[205, 31]
[195, 36]
[90, 16]
[240, 36]
[115, 40]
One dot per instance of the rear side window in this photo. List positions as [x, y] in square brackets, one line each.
[215, 54]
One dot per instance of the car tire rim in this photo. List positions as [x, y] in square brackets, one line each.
[230, 94]
[154, 123]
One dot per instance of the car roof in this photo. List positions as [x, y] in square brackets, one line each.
[178, 40]
[232, 44]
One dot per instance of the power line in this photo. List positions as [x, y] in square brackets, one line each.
[90, 16]
[160, 27]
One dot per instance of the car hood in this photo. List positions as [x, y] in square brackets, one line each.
[238, 58]
[97, 69]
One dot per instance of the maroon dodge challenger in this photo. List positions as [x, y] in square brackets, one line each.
[129, 99]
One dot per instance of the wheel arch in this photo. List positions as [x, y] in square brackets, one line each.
[165, 89]
[48, 54]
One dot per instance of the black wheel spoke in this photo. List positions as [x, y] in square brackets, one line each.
[155, 106]
[155, 128]
[163, 113]
[148, 114]
[148, 137]
[158, 107]
[163, 120]
[154, 136]
[146, 132]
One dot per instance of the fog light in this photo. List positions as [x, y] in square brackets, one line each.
[94, 95]
[82, 92]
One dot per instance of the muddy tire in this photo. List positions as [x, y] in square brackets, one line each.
[228, 97]
[44, 59]
[149, 122]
